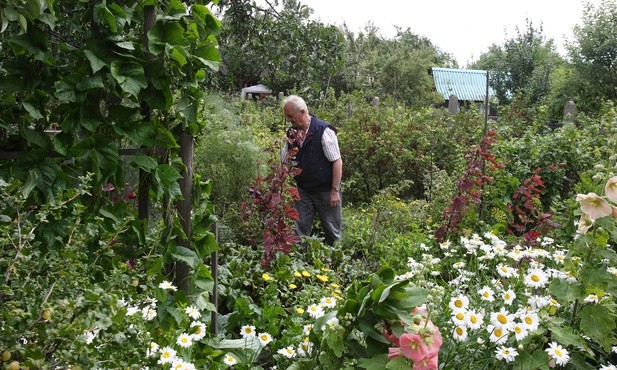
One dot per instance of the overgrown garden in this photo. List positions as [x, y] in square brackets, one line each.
[467, 243]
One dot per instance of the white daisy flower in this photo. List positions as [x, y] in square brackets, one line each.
[230, 360]
[264, 338]
[460, 333]
[305, 348]
[487, 294]
[193, 312]
[508, 297]
[248, 332]
[506, 353]
[503, 319]
[530, 320]
[199, 331]
[329, 302]
[315, 311]
[458, 302]
[168, 355]
[288, 352]
[458, 316]
[474, 320]
[498, 335]
[148, 313]
[184, 340]
[558, 353]
[153, 348]
[167, 286]
[131, 310]
[535, 278]
[591, 298]
[520, 331]
[506, 271]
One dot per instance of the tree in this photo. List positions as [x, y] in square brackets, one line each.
[279, 46]
[593, 54]
[522, 65]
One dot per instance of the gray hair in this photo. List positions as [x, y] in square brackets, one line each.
[297, 102]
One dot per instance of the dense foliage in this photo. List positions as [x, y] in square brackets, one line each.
[467, 243]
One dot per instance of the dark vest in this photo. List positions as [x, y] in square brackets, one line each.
[316, 175]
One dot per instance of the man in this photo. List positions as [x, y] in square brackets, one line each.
[319, 158]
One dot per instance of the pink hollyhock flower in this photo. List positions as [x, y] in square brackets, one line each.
[593, 205]
[413, 347]
[428, 363]
[392, 338]
[611, 189]
[394, 352]
[435, 341]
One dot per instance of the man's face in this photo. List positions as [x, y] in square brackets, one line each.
[294, 116]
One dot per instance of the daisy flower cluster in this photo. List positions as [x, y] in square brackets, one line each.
[498, 294]
[175, 351]
[172, 354]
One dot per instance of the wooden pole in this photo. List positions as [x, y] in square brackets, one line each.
[184, 208]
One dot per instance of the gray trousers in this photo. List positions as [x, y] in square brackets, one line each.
[318, 204]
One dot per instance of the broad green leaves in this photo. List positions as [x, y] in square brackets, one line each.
[130, 76]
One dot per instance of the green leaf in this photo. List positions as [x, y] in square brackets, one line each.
[33, 111]
[95, 63]
[144, 162]
[32, 181]
[532, 361]
[95, 82]
[598, 323]
[186, 255]
[152, 135]
[106, 17]
[566, 336]
[33, 137]
[163, 34]
[378, 362]
[252, 344]
[130, 76]
[178, 55]
[565, 291]
[167, 181]
[399, 363]
[109, 215]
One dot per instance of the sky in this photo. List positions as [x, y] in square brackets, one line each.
[463, 28]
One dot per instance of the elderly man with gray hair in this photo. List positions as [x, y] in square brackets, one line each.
[318, 156]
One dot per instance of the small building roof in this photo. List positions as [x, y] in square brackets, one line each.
[466, 84]
[256, 89]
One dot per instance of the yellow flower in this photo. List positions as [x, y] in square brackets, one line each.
[324, 269]
[335, 285]
[305, 273]
[266, 276]
[292, 286]
[297, 274]
[300, 310]
[322, 278]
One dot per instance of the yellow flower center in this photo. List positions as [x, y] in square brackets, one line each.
[558, 352]
[502, 318]
[528, 320]
[498, 332]
[460, 316]
[535, 278]
[507, 296]
[458, 303]
[460, 331]
[473, 319]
